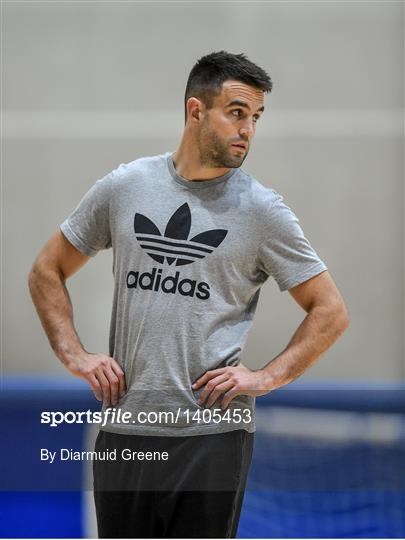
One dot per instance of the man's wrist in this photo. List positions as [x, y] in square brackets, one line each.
[273, 377]
[72, 357]
[266, 380]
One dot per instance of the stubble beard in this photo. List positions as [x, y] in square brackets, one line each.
[215, 153]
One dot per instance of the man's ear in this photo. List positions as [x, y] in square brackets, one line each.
[194, 109]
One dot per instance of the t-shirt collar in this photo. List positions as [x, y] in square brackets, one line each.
[195, 184]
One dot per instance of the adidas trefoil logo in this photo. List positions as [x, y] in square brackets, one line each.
[179, 248]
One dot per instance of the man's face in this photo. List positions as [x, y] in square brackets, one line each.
[228, 127]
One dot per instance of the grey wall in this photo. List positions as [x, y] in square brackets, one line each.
[89, 85]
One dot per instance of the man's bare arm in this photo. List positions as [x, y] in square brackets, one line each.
[58, 261]
[327, 318]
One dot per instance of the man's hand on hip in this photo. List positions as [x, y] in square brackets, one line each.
[104, 375]
[230, 381]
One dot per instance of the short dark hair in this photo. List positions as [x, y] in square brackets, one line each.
[211, 71]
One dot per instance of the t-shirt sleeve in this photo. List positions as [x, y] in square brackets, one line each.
[285, 253]
[88, 226]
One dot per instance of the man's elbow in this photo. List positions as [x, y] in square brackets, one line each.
[42, 272]
[38, 268]
[340, 317]
[35, 275]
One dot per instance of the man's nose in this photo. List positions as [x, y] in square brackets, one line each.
[247, 130]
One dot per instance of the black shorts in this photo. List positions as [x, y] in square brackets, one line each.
[196, 493]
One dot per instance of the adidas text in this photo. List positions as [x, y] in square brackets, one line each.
[169, 284]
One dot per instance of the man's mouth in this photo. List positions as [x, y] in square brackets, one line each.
[240, 145]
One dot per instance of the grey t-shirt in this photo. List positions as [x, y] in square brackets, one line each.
[189, 259]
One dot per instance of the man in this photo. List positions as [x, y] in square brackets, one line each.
[194, 238]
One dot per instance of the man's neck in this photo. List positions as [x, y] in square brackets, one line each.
[188, 165]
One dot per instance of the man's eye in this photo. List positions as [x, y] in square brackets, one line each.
[256, 118]
[236, 112]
